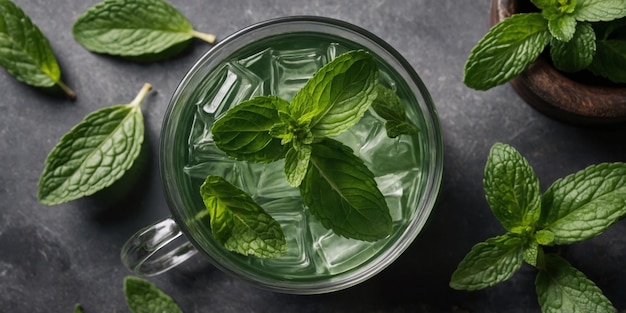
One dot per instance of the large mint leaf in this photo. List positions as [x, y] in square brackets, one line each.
[340, 191]
[599, 10]
[93, 154]
[239, 223]
[562, 288]
[144, 297]
[576, 54]
[489, 263]
[389, 106]
[506, 50]
[338, 95]
[25, 52]
[584, 204]
[133, 28]
[610, 60]
[563, 27]
[511, 187]
[243, 132]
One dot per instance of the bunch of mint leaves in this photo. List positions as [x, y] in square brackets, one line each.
[335, 185]
[574, 208]
[581, 35]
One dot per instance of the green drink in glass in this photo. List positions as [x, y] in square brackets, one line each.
[277, 58]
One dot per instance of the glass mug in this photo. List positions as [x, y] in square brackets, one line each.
[277, 57]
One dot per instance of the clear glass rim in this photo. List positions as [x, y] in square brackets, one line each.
[393, 251]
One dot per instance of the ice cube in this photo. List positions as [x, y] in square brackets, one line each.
[292, 68]
[273, 184]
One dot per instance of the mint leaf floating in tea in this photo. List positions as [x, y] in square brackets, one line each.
[341, 192]
[93, 154]
[25, 52]
[389, 106]
[144, 297]
[240, 224]
[146, 30]
[574, 208]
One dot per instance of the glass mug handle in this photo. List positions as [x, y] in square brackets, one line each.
[139, 253]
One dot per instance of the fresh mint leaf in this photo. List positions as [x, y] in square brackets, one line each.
[239, 223]
[610, 60]
[389, 106]
[562, 288]
[144, 297]
[531, 252]
[25, 52]
[544, 237]
[78, 308]
[562, 27]
[243, 132]
[506, 50]
[511, 187]
[599, 10]
[296, 164]
[584, 204]
[135, 28]
[340, 191]
[93, 154]
[338, 95]
[489, 263]
[576, 54]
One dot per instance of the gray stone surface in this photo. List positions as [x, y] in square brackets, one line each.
[54, 257]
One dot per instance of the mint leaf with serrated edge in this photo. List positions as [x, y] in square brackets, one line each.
[25, 52]
[562, 288]
[143, 296]
[506, 50]
[239, 223]
[489, 263]
[562, 27]
[511, 187]
[610, 60]
[243, 132]
[599, 10]
[338, 95]
[340, 191]
[389, 106]
[576, 54]
[296, 164]
[584, 204]
[93, 154]
[134, 28]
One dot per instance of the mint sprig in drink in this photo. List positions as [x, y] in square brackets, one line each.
[277, 58]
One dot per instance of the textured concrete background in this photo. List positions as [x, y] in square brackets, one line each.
[54, 257]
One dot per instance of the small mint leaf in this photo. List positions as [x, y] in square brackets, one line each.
[610, 60]
[389, 106]
[562, 27]
[296, 164]
[599, 10]
[511, 187]
[562, 288]
[78, 308]
[506, 50]
[576, 54]
[489, 263]
[340, 191]
[239, 223]
[245, 131]
[531, 252]
[544, 237]
[144, 297]
[584, 204]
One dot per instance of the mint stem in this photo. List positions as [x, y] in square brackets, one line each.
[141, 95]
[210, 38]
[68, 91]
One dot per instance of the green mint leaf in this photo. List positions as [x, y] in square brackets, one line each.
[244, 131]
[576, 54]
[610, 60]
[296, 164]
[531, 253]
[563, 27]
[340, 191]
[562, 288]
[506, 50]
[544, 237]
[239, 223]
[93, 154]
[389, 106]
[511, 187]
[584, 204]
[25, 52]
[78, 308]
[338, 95]
[553, 9]
[144, 297]
[599, 10]
[133, 28]
[489, 263]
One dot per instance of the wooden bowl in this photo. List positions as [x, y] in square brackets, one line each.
[558, 96]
